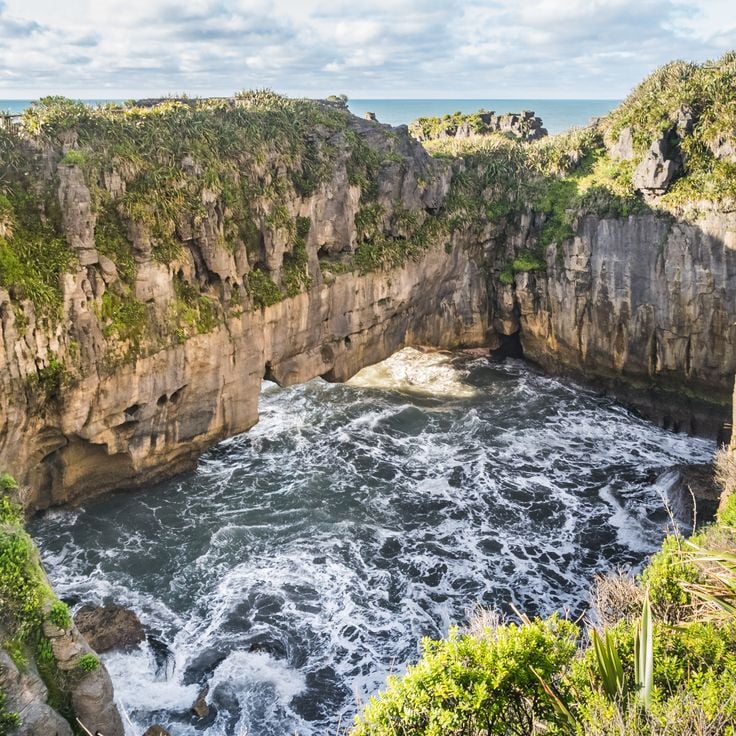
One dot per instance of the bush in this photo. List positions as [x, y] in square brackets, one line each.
[473, 685]
[664, 576]
[60, 616]
[88, 663]
[262, 289]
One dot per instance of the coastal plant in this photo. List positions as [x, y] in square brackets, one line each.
[9, 720]
[475, 684]
[87, 663]
[60, 616]
[25, 596]
[262, 289]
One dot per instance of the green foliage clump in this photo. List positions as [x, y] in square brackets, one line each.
[49, 381]
[262, 289]
[527, 261]
[473, 685]
[296, 277]
[124, 320]
[33, 255]
[88, 663]
[663, 577]
[22, 586]
[60, 616]
[193, 312]
[10, 511]
[74, 157]
[9, 720]
[727, 511]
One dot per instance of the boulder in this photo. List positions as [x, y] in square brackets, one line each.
[109, 627]
[623, 148]
[200, 707]
[659, 168]
[156, 730]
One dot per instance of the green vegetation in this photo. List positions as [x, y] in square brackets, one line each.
[706, 94]
[73, 158]
[262, 289]
[660, 660]
[296, 275]
[8, 719]
[123, 319]
[192, 312]
[484, 683]
[32, 254]
[88, 663]
[26, 601]
[47, 383]
[60, 616]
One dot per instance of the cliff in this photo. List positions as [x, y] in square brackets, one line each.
[283, 239]
[156, 262]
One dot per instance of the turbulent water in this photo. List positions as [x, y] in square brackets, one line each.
[303, 562]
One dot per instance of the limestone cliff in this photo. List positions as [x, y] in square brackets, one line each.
[643, 305]
[157, 350]
[157, 262]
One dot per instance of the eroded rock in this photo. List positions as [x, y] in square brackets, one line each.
[659, 167]
[109, 627]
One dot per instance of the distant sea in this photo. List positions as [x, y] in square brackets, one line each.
[558, 115]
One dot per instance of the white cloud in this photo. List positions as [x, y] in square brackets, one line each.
[413, 48]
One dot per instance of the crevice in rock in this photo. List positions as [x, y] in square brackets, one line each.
[510, 347]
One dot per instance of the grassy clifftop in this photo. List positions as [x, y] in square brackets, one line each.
[686, 112]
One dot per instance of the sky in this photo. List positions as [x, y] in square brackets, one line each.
[118, 49]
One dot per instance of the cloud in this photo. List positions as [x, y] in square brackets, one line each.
[410, 48]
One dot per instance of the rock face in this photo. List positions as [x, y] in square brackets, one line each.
[658, 168]
[636, 303]
[27, 695]
[642, 303]
[91, 691]
[109, 627]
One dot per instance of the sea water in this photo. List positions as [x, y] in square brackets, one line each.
[303, 561]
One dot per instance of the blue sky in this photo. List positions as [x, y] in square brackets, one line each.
[381, 48]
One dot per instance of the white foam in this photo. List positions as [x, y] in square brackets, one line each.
[418, 372]
[242, 670]
[348, 524]
[138, 688]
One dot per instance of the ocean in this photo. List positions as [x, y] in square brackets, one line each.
[302, 562]
[558, 115]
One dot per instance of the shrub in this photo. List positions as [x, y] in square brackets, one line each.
[88, 663]
[74, 158]
[664, 575]
[478, 684]
[60, 616]
[262, 289]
